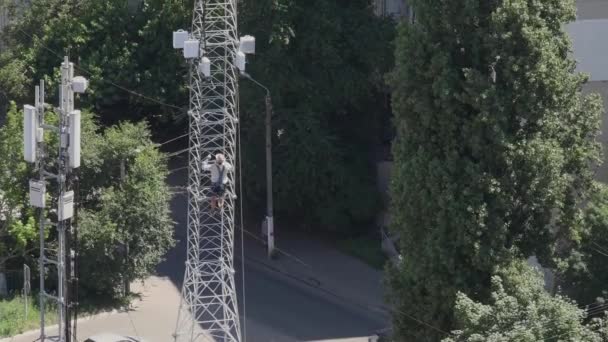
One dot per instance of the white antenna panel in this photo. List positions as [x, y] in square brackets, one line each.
[30, 132]
[66, 206]
[247, 44]
[80, 84]
[241, 60]
[179, 38]
[205, 66]
[191, 48]
[74, 146]
[37, 193]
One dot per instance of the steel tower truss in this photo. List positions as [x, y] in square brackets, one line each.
[209, 309]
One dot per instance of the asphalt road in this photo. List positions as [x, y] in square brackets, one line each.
[277, 308]
[282, 311]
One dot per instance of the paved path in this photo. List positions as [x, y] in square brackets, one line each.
[152, 317]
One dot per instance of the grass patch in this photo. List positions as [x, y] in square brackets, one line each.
[14, 322]
[365, 248]
[12, 315]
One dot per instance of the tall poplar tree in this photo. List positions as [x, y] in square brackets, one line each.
[494, 152]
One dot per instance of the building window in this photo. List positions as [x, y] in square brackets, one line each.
[392, 8]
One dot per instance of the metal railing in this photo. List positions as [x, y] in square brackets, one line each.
[12, 282]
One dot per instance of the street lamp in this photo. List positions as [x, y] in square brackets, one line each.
[269, 204]
[123, 176]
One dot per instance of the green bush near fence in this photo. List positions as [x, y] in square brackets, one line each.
[12, 315]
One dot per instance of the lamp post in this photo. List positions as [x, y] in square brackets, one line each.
[123, 176]
[269, 202]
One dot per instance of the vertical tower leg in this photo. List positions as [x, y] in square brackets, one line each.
[209, 309]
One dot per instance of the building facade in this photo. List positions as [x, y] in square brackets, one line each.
[391, 8]
[589, 34]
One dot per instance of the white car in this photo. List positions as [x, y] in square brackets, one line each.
[108, 337]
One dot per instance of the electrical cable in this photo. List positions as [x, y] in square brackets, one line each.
[173, 154]
[601, 308]
[132, 92]
[600, 252]
[174, 139]
[178, 169]
[244, 323]
[600, 249]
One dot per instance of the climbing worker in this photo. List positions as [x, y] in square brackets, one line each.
[219, 178]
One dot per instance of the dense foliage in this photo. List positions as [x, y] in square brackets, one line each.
[520, 309]
[114, 42]
[17, 224]
[583, 274]
[126, 227]
[494, 152]
[115, 211]
[324, 62]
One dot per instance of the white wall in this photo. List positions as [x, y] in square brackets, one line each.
[590, 45]
[592, 9]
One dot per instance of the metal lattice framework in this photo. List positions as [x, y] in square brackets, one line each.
[209, 309]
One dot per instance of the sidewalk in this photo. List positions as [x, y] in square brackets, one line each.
[153, 317]
[319, 265]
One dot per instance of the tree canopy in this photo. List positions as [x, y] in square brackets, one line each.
[323, 60]
[324, 63]
[114, 213]
[125, 213]
[17, 224]
[520, 309]
[583, 273]
[124, 51]
[494, 152]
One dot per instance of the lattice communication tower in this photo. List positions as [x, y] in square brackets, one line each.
[209, 309]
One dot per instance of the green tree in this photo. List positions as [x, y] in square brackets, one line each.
[324, 174]
[17, 224]
[117, 211]
[116, 45]
[520, 309]
[494, 150]
[126, 226]
[583, 274]
[134, 211]
[323, 61]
